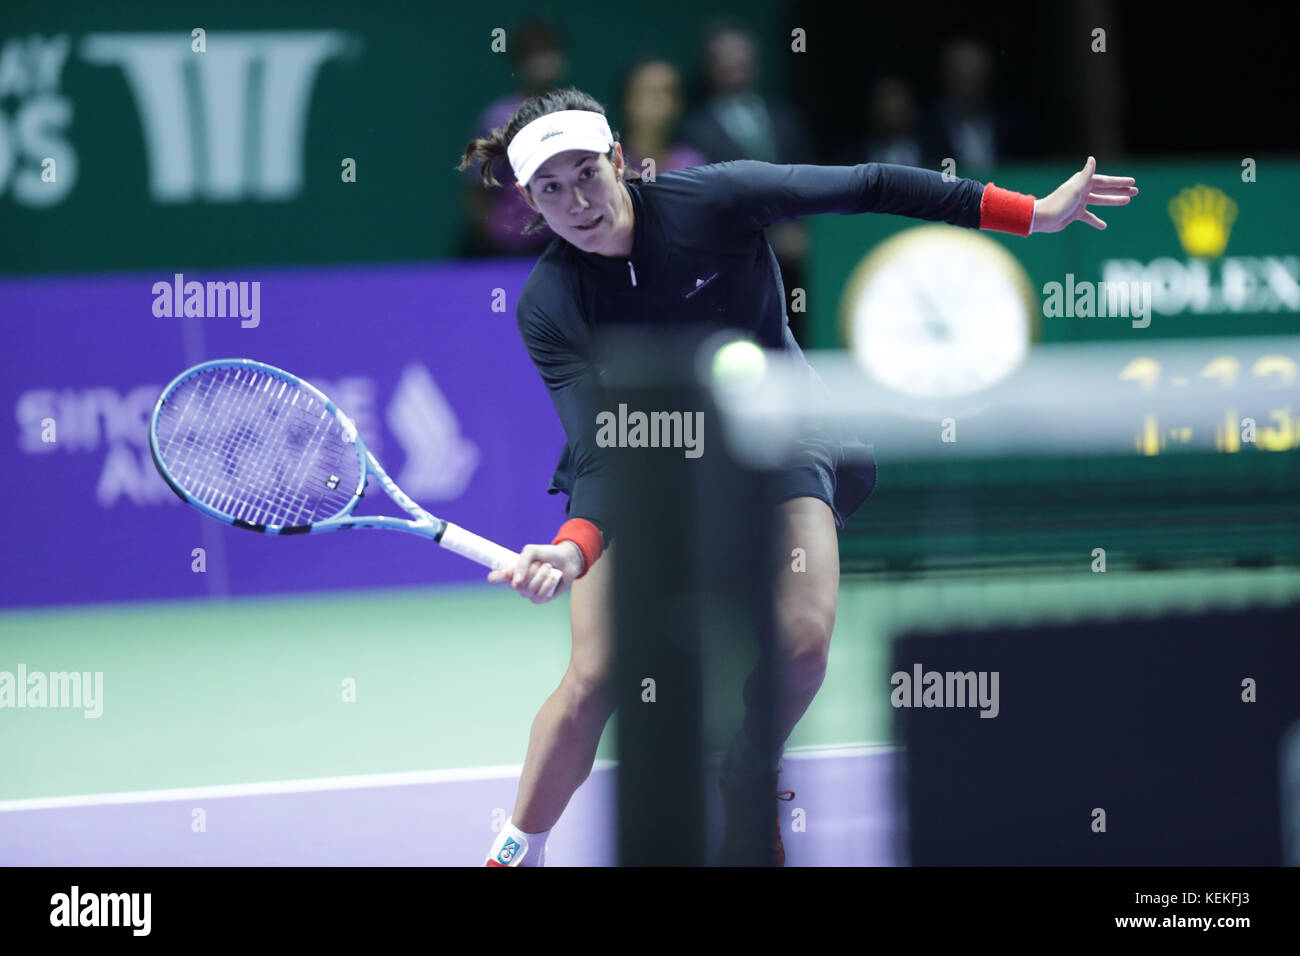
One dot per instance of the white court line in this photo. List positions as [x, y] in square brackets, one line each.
[830, 751]
[361, 781]
[270, 787]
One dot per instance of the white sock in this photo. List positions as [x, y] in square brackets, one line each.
[514, 847]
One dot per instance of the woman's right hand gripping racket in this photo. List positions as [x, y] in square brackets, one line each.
[258, 448]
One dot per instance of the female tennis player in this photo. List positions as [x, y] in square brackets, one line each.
[689, 246]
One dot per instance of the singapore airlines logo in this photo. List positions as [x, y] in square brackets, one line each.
[224, 125]
[113, 426]
[439, 460]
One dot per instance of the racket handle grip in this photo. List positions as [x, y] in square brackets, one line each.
[487, 553]
[469, 545]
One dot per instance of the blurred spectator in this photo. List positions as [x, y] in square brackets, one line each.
[966, 123]
[735, 121]
[892, 135]
[494, 218]
[650, 103]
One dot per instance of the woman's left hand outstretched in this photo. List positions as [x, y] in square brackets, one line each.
[1071, 199]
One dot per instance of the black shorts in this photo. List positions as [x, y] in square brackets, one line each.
[844, 487]
[840, 471]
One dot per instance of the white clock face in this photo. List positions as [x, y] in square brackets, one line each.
[939, 315]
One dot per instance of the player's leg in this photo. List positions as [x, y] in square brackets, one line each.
[567, 729]
[806, 598]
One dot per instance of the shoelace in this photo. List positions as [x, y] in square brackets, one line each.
[781, 794]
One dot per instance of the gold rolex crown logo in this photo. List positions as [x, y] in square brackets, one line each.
[1203, 217]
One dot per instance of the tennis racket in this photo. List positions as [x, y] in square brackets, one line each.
[260, 449]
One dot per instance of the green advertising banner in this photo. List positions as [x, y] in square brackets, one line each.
[179, 135]
[1209, 247]
[1207, 250]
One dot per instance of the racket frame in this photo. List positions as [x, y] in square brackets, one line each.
[448, 535]
[366, 463]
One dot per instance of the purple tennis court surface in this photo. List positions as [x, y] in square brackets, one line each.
[846, 799]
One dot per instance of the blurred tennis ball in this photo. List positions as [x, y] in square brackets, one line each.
[739, 363]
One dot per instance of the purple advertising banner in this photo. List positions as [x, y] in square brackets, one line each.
[425, 359]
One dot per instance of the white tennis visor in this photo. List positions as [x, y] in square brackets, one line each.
[554, 133]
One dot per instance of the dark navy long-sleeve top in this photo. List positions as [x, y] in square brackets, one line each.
[699, 254]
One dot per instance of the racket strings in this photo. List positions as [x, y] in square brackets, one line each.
[256, 448]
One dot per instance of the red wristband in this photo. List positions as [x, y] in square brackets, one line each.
[586, 536]
[1005, 211]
